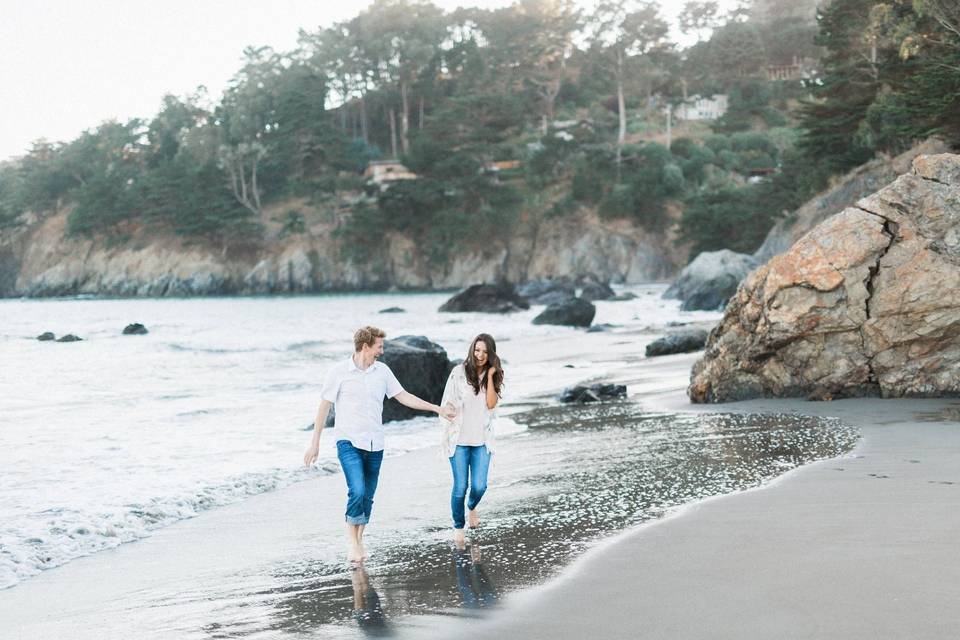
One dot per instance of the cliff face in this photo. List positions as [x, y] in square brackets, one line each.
[866, 303]
[860, 182]
[41, 260]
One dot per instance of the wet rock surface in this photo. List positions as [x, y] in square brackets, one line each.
[867, 303]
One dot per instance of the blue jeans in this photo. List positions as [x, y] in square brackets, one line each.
[361, 470]
[468, 463]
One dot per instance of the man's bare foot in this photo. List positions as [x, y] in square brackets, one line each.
[355, 553]
[459, 539]
[473, 518]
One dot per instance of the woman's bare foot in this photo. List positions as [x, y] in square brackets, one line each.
[363, 552]
[459, 539]
[473, 518]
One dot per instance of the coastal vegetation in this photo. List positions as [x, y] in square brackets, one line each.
[505, 116]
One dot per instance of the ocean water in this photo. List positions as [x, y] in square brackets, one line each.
[106, 440]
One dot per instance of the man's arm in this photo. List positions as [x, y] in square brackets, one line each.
[407, 399]
[314, 449]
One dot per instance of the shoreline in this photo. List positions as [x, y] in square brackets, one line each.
[813, 553]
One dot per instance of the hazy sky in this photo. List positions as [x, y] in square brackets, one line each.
[67, 65]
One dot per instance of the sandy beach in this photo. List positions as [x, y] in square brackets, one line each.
[860, 546]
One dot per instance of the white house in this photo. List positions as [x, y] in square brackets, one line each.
[701, 108]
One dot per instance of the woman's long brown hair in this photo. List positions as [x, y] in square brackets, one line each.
[477, 378]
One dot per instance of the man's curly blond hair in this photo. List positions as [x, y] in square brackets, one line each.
[367, 336]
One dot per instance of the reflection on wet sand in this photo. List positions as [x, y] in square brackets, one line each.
[577, 475]
[367, 609]
[476, 588]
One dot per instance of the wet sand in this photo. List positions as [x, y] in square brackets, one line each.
[863, 546]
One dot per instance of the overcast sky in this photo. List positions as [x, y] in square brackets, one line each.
[67, 65]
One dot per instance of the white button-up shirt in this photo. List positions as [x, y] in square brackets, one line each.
[358, 397]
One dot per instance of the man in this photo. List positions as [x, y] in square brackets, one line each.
[357, 387]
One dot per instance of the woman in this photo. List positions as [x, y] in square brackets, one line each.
[473, 389]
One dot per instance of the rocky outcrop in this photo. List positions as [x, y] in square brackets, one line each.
[575, 312]
[708, 282]
[867, 303]
[548, 290]
[593, 291]
[40, 259]
[683, 341]
[486, 298]
[858, 183]
[422, 368]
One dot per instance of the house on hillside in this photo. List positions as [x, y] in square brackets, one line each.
[797, 68]
[702, 108]
[502, 169]
[383, 172]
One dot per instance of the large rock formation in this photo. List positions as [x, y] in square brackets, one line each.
[708, 282]
[866, 303]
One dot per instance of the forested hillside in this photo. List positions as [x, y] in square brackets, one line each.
[509, 116]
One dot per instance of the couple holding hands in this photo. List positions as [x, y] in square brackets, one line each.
[357, 387]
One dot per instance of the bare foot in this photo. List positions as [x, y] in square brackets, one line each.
[459, 539]
[473, 518]
[355, 553]
[363, 552]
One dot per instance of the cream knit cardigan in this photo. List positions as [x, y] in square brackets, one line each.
[454, 392]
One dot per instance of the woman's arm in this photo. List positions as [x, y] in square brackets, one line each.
[492, 397]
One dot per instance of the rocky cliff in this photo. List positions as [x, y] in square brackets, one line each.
[866, 303]
[862, 181]
[40, 259]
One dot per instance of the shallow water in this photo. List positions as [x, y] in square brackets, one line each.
[576, 476]
[105, 441]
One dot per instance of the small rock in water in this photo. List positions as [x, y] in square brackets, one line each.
[69, 338]
[135, 329]
[594, 393]
[393, 310]
[45, 336]
[679, 342]
[488, 298]
[575, 312]
[623, 297]
[596, 291]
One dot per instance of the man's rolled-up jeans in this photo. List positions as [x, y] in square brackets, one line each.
[361, 469]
